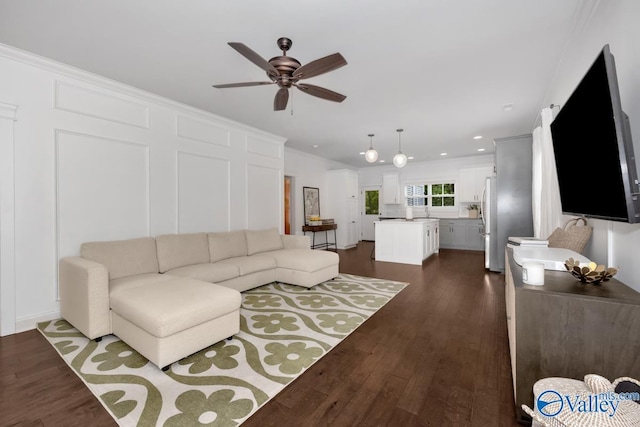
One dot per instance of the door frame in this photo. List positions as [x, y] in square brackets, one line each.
[363, 217]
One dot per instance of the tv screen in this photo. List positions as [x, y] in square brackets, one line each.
[593, 149]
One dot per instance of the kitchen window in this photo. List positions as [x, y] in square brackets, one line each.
[430, 195]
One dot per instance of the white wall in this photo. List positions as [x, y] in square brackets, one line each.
[93, 159]
[308, 171]
[614, 23]
[424, 172]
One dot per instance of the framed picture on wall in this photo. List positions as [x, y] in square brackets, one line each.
[311, 197]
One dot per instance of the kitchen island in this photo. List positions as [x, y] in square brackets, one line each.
[406, 241]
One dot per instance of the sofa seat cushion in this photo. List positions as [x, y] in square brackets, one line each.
[170, 306]
[207, 272]
[133, 281]
[307, 260]
[251, 264]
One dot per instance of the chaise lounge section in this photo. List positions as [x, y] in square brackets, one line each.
[176, 294]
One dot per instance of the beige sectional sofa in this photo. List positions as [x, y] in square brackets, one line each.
[176, 294]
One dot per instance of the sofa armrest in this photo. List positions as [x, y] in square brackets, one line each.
[293, 241]
[84, 296]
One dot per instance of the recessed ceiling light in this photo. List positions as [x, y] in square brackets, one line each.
[315, 145]
[381, 161]
[410, 157]
[362, 153]
[443, 154]
[480, 149]
[477, 137]
[507, 107]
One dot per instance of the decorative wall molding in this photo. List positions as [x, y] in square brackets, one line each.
[206, 198]
[263, 209]
[93, 103]
[8, 114]
[50, 65]
[263, 147]
[8, 111]
[102, 196]
[202, 131]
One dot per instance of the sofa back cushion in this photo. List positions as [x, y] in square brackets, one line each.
[179, 250]
[263, 240]
[123, 258]
[227, 244]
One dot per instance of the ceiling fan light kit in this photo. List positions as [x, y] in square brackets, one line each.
[286, 71]
[371, 155]
[400, 159]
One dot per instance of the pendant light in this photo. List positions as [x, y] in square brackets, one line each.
[371, 155]
[400, 160]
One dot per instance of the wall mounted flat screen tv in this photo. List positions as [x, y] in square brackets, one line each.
[593, 149]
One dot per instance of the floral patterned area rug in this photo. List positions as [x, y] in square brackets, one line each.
[284, 329]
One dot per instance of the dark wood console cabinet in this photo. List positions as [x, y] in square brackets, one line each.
[569, 329]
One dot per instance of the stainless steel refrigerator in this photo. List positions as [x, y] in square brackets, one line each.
[506, 204]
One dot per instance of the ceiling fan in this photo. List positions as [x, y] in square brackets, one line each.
[286, 71]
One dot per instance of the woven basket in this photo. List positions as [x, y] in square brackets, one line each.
[572, 236]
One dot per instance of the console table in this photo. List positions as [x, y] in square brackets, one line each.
[326, 228]
[568, 329]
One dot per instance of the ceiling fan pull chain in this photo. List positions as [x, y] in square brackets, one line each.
[292, 102]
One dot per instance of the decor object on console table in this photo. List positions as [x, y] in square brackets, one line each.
[591, 273]
[311, 197]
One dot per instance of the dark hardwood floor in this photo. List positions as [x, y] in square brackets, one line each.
[435, 355]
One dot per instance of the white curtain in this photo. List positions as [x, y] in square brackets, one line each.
[547, 211]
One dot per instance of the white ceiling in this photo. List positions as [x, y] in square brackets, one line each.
[440, 69]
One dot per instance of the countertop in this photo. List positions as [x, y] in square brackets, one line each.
[385, 218]
[408, 221]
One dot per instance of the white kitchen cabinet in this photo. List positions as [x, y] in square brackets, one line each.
[343, 206]
[391, 194]
[406, 242]
[471, 182]
[431, 238]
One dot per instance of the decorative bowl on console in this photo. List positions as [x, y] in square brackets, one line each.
[589, 273]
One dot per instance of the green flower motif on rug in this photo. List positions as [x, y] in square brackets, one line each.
[218, 409]
[292, 358]
[342, 322]
[261, 301]
[219, 355]
[274, 322]
[317, 301]
[65, 347]
[345, 287]
[118, 354]
[369, 300]
[390, 286]
[284, 329]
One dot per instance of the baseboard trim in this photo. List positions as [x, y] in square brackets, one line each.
[28, 323]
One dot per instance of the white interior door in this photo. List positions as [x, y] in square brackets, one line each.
[370, 205]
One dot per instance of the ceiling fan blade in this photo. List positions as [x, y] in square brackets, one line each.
[321, 92]
[320, 66]
[242, 84]
[281, 99]
[254, 57]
